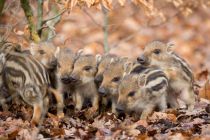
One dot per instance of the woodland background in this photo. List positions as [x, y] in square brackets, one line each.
[121, 27]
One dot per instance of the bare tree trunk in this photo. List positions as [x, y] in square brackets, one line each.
[29, 16]
[40, 17]
[1, 5]
[105, 29]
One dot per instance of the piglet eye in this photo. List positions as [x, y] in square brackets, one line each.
[132, 93]
[41, 52]
[157, 51]
[116, 79]
[59, 65]
[87, 68]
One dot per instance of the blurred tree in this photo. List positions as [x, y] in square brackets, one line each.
[41, 28]
[1, 5]
[30, 18]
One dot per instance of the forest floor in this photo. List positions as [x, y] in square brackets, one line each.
[172, 124]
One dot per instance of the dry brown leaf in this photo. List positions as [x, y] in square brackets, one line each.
[205, 91]
[18, 32]
[122, 2]
[57, 131]
[203, 75]
[150, 9]
[89, 3]
[73, 3]
[54, 119]
[107, 4]
[161, 115]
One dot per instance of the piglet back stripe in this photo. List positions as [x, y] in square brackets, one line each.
[38, 70]
[33, 71]
[159, 86]
[154, 76]
[186, 68]
[139, 69]
[15, 73]
[17, 63]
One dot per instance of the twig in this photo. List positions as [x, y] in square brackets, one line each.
[91, 17]
[39, 16]
[29, 15]
[7, 7]
[2, 2]
[14, 11]
[59, 14]
[52, 22]
[105, 28]
[7, 32]
[139, 30]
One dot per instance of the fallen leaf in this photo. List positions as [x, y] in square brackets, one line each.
[122, 2]
[205, 91]
[161, 115]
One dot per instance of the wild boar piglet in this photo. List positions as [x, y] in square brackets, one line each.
[103, 63]
[26, 77]
[142, 90]
[112, 77]
[178, 71]
[84, 70]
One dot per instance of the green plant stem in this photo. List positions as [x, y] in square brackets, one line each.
[29, 16]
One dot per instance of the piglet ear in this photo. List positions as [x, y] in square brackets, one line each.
[2, 58]
[170, 47]
[98, 58]
[141, 80]
[124, 59]
[128, 65]
[57, 52]
[33, 48]
[18, 48]
[78, 54]
[125, 73]
[113, 60]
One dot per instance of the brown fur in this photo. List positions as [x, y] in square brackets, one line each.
[133, 96]
[6, 47]
[104, 62]
[85, 68]
[111, 79]
[66, 60]
[31, 82]
[47, 54]
[178, 71]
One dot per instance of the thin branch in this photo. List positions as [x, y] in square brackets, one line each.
[7, 32]
[91, 17]
[39, 16]
[139, 30]
[2, 2]
[52, 23]
[7, 7]
[29, 16]
[14, 11]
[105, 28]
[59, 14]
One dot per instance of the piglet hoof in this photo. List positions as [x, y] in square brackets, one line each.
[91, 113]
[5, 108]
[77, 111]
[60, 115]
[34, 123]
